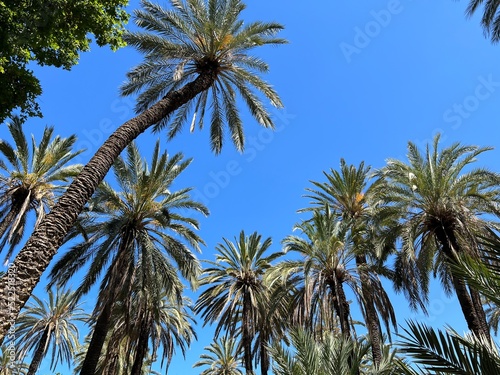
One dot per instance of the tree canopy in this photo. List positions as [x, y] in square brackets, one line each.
[50, 32]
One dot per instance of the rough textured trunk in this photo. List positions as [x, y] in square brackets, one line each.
[40, 351]
[478, 306]
[246, 335]
[341, 306]
[371, 317]
[97, 342]
[43, 244]
[472, 312]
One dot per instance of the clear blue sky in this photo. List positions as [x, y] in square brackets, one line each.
[358, 80]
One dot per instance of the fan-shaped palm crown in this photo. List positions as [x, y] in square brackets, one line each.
[439, 202]
[50, 324]
[31, 180]
[198, 38]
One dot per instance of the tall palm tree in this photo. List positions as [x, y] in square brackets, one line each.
[346, 193]
[31, 179]
[50, 324]
[137, 234]
[222, 358]
[273, 306]
[197, 50]
[439, 208]
[235, 287]
[320, 276]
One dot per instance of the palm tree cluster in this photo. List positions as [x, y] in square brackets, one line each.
[316, 305]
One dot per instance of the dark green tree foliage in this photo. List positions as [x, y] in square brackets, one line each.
[49, 32]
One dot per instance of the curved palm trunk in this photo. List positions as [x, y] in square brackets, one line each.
[473, 310]
[43, 244]
[371, 317]
[40, 351]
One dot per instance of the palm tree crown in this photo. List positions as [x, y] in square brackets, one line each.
[319, 278]
[197, 38]
[236, 289]
[348, 197]
[139, 239]
[46, 324]
[439, 210]
[222, 358]
[32, 183]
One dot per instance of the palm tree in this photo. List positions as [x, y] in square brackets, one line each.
[140, 234]
[273, 306]
[346, 194]
[437, 207]
[491, 17]
[50, 324]
[236, 289]
[319, 278]
[31, 179]
[198, 50]
[222, 358]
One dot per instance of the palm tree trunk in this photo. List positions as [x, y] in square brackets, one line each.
[472, 311]
[97, 342]
[142, 346]
[264, 357]
[43, 244]
[478, 305]
[467, 306]
[371, 317]
[39, 352]
[246, 336]
[341, 307]
[116, 286]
